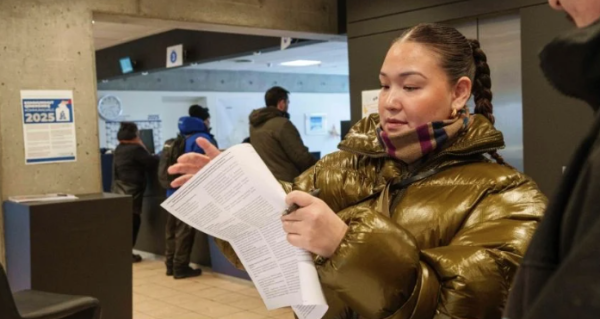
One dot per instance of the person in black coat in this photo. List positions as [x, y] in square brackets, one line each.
[132, 162]
[560, 274]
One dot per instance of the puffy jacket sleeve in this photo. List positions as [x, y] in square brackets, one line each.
[343, 178]
[380, 272]
[292, 145]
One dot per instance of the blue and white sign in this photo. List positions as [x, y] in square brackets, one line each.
[48, 127]
[175, 56]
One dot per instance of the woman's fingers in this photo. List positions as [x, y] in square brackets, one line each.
[181, 180]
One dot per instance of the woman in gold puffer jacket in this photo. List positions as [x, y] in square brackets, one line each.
[413, 220]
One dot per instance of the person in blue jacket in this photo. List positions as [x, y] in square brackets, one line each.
[179, 235]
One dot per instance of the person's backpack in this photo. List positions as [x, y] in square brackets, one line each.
[172, 149]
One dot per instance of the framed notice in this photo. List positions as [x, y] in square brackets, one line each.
[48, 127]
[316, 124]
[370, 102]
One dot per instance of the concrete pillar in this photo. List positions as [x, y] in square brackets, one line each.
[48, 45]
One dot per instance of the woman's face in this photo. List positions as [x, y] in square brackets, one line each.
[416, 90]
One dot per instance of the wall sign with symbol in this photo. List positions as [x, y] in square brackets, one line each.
[48, 127]
[175, 56]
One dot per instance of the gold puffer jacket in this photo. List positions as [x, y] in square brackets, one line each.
[451, 246]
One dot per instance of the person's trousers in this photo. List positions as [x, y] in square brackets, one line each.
[180, 239]
[137, 222]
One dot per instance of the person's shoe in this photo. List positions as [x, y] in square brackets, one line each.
[169, 265]
[186, 272]
[137, 258]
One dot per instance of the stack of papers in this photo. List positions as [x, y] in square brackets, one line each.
[41, 198]
[237, 199]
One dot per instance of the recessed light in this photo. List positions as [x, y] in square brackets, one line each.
[301, 63]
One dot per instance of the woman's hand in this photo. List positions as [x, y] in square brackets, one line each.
[313, 227]
[191, 163]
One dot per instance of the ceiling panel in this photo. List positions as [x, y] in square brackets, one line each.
[333, 57]
[108, 34]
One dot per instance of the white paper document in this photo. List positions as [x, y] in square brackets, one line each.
[237, 199]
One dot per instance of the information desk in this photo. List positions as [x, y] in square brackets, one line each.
[78, 247]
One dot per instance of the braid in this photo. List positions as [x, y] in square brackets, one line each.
[482, 83]
[482, 91]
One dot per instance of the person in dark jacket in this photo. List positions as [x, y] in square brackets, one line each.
[560, 274]
[132, 162]
[179, 235]
[277, 140]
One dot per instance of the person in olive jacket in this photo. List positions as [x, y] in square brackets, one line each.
[276, 139]
[418, 215]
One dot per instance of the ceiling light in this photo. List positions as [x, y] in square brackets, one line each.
[301, 63]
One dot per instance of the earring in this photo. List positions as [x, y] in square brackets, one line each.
[454, 113]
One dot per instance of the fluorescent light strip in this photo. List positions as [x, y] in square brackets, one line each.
[301, 63]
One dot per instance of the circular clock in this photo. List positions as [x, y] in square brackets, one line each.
[110, 107]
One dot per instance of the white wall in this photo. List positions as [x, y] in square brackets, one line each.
[229, 113]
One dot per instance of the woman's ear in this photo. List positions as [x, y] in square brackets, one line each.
[462, 93]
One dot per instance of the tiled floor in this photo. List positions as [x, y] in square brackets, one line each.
[210, 296]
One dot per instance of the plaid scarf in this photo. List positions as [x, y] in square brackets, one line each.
[410, 146]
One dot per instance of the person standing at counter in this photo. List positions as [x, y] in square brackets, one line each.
[130, 164]
[179, 235]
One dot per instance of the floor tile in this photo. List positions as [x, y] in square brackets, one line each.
[250, 292]
[190, 315]
[271, 313]
[210, 293]
[244, 315]
[248, 304]
[210, 296]
[140, 298]
[167, 312]
[139, 315]
[188, 286]
[211, 309]
[234, 286]
[148, 306]
[155, 291]
[228, 298]
[286, 316]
